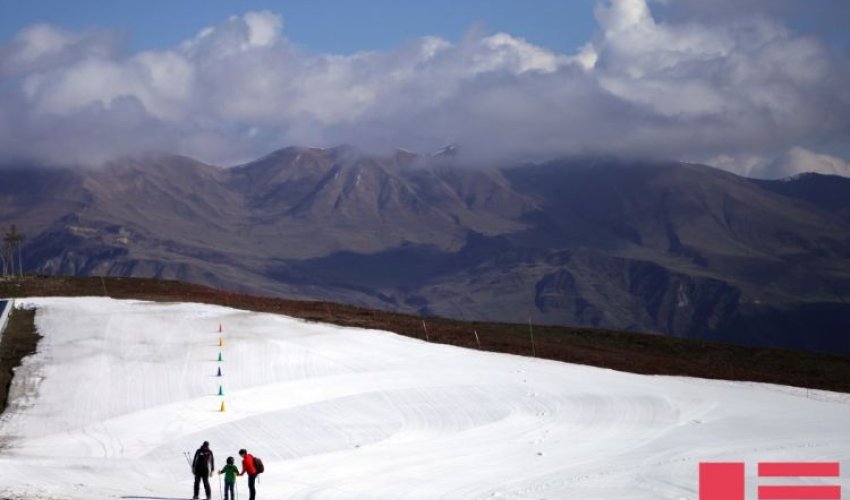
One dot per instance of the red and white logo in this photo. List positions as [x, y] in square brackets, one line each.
[725, 481]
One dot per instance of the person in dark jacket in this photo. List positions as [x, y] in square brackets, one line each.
[203, 466]
[249, 468]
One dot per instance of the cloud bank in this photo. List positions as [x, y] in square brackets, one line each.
[747, 94]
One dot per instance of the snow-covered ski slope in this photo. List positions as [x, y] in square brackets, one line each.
[120, 389]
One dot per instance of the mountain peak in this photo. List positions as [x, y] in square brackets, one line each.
[449, 150]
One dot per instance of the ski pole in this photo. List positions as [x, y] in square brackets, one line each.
[220, 494]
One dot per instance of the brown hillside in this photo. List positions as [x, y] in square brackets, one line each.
[638, 353]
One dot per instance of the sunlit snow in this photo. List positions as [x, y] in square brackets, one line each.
[120, 389]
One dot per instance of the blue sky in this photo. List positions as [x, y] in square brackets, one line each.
[337, 26]
[757, 87]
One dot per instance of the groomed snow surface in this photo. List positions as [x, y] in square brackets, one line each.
[120, 389]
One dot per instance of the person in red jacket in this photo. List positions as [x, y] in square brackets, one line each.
[249, 468]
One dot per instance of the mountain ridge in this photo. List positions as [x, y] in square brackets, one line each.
[680, 249]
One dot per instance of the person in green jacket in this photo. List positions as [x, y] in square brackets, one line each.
[229, 472]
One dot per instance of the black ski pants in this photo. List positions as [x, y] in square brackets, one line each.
[252, 490]
[206, 479]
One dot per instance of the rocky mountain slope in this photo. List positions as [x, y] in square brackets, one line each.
[679, 249]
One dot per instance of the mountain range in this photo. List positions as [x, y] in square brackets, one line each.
[658, 247]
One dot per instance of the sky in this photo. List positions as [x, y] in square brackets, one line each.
[334, 26]
[757, 87]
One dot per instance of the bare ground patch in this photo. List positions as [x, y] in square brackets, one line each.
[19, 340]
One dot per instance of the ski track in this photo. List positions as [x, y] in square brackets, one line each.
[120, 389]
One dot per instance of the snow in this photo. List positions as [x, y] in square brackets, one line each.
[5, 309]
[448, 150]
[120, 389]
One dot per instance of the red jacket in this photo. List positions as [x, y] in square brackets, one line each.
[248, 465]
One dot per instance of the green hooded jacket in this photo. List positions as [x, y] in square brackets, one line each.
[229, 472]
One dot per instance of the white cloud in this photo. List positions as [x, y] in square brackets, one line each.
[752, 66]
[624, 16]
[744, 164]
[732, 90]
[39, 41]
[794, 161]
[800, 160]
[586, 57]
[263, 28]
[504, 51]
